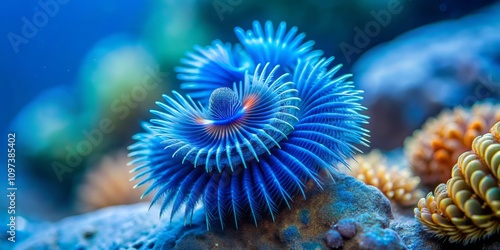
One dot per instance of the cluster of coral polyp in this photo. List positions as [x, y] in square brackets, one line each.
[261, 119]
[434, 150]
[107, 184]
[397, 184]
[467, 208]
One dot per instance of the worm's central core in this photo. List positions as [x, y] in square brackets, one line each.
[225, 107]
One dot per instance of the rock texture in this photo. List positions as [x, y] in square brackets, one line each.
[414, 237]
[358, 217]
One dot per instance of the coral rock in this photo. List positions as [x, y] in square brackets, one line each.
[291, 234]
[347, 228]
[467, 208]
[397, 184]
[434, 150]
[381, 239]
[304, 216]
[334, 239]
[133, 227]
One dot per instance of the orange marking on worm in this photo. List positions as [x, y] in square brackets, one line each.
[250, 102]
[199, 120]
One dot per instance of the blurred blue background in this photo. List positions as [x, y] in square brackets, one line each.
[80, 60]
[55, 54]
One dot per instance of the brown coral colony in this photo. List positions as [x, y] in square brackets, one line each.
[434, 150]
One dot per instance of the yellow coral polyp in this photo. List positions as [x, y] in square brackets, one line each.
[467, 208]
[396, 184]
